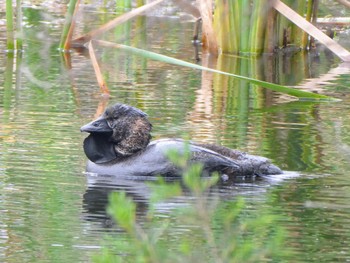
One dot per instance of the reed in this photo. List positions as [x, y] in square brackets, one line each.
[102, 84]
[221, 15]
[308, 16]
[140, 3]
[122, 6]
[66, 37]
[296, 34]
[9, 27]
[270, 36]
[209, 39]
[19, 30]
[253, 27]
[244, 12]
[14, 32]
[81, 40]
[313, 20]
[259, 21]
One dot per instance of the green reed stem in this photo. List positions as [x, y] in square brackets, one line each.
[313, 19]
[246, 26]
[66, 34]
[304, 40]
[245, 14]
[225, 26]
[9, 26]
[122, 5]
[258, 23]
[234, 25]
[297, 33]
[19, 29]
[221, 25]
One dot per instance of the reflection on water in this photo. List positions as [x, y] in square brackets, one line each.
[51, 211]
[95, 198]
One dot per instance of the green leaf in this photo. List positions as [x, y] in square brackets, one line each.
[179, 157]
[272, 86]
[122, 209]
[163, 190]
[192, 178]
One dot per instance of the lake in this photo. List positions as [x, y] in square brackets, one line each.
[52, 211]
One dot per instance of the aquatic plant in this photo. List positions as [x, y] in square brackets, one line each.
[279, 88]
[216, 231]
[242, 43]
[69, 25]
[9, 26]
[14, 32]
[255, 27]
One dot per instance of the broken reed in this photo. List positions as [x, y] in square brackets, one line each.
[254, 27]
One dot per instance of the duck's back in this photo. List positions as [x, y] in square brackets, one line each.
[154, 161]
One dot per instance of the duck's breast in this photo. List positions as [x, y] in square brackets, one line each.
[151, 161]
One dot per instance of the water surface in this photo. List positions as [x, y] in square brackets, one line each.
[51, 211]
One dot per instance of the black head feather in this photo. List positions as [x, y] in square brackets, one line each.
[128, 132]
[121, 110]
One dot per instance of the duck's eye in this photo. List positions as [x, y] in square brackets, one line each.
[110, 123]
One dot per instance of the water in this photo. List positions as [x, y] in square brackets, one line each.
[51, 211]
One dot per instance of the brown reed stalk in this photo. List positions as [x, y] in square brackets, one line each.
[309, 28]
[102, 84]
[81, 40]
[208, 36]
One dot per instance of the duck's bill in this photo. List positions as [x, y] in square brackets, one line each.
[97, 126]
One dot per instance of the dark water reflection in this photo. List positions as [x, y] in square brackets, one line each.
[51, 211]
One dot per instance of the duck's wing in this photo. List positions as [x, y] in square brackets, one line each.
[213, 161]
[249, 164]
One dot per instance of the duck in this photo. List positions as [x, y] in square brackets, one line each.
[119, 144]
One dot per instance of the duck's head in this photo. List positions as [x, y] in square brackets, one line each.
[119, 132]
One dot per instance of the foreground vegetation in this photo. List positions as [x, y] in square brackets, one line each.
[215, 231]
